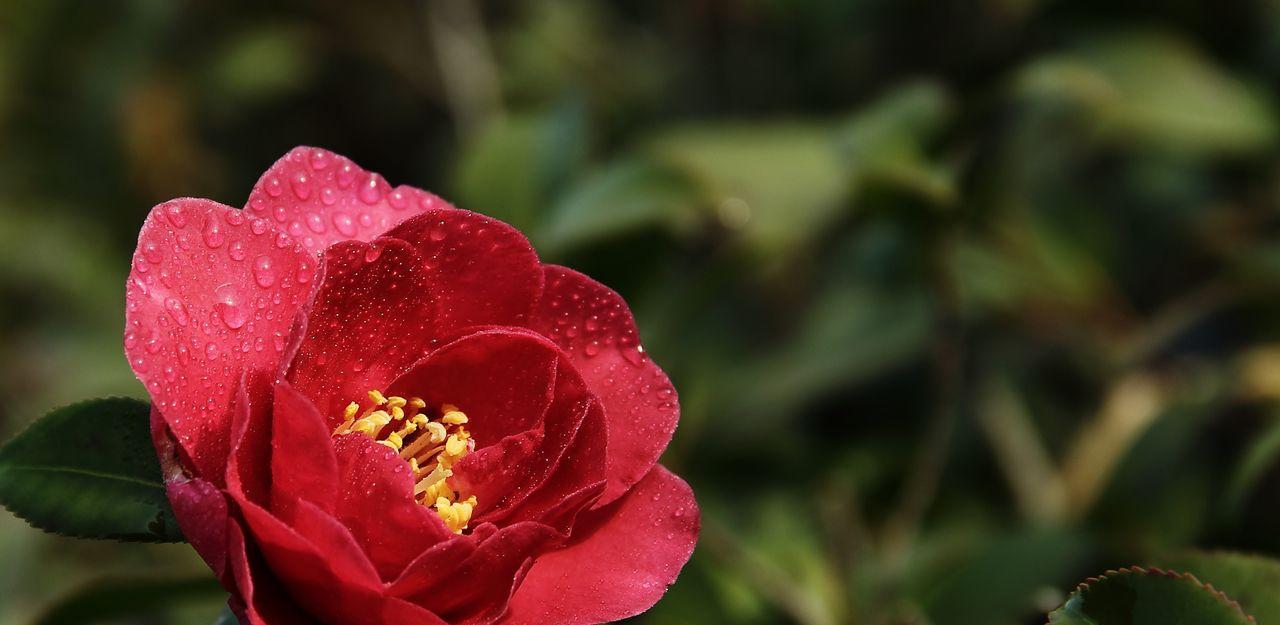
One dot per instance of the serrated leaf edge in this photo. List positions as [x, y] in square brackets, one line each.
[1151, 570]
[131, 538]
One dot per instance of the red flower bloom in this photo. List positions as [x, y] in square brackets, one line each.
[375, 408]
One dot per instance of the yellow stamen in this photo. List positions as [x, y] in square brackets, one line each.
[430, 446]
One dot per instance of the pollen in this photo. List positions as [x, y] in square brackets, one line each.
[431, 445]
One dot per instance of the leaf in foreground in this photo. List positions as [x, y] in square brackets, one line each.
[89, 471]
[1138, 596]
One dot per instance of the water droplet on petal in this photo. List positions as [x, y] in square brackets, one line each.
[274, 188]
[301, 185]
[152, 252]
[315, 222]
[177, 310]
[371, 191]
[173, 212]
[212, 233]
[346, 175]
[319, 159]
[229, 308]
[344, 224]
[264, 272]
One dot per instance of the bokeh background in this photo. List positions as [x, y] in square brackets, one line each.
[965, 301]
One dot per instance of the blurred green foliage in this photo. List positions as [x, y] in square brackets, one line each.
[965, 301]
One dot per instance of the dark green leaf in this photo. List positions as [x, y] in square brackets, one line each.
[1253, 581]
[89, 471]
[1147, 597]
[111, 599]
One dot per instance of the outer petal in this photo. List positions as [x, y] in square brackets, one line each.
[594, 325]
[369, 321]
[323, 583]
[322, 198]
[199, 506]
[303, 464]
[211, 295]
[630, 553]
[258, 598]
[201, 510]
[482, 271]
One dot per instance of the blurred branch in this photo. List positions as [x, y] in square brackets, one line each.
[1037, 486]
[1131, 406]
[467, 66]
[1170, 322]
[948, 357]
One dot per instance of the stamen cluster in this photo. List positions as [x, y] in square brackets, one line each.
[431, 447]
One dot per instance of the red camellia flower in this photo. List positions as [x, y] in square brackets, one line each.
[375, 408]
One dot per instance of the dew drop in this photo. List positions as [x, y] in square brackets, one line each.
[319, 159]
[151, 252]
[229, 308]
[173, 212]
[274, 188]
[301, 185]
[398, 199]
[212, 233]
[344, 224]
[370, 192]
[177, 310]
[315, 222]
[346, 175]
[264, 272]
[305, 272]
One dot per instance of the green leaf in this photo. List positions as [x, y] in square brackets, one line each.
[628, 196]
[778, 185]
[106, 600]
[89, 471]
[1251, 580]
[887, 142]
[1147, 597]
[1158, 91]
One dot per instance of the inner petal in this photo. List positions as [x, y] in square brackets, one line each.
[430, 441]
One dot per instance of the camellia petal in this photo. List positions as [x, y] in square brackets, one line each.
[623, 561]
[300, 438]
[321, 198]
[369, 321]
[482, 271]
[211, 295]
[593, 324]
[376, 504]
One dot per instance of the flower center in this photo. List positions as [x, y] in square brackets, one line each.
[431, 446]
